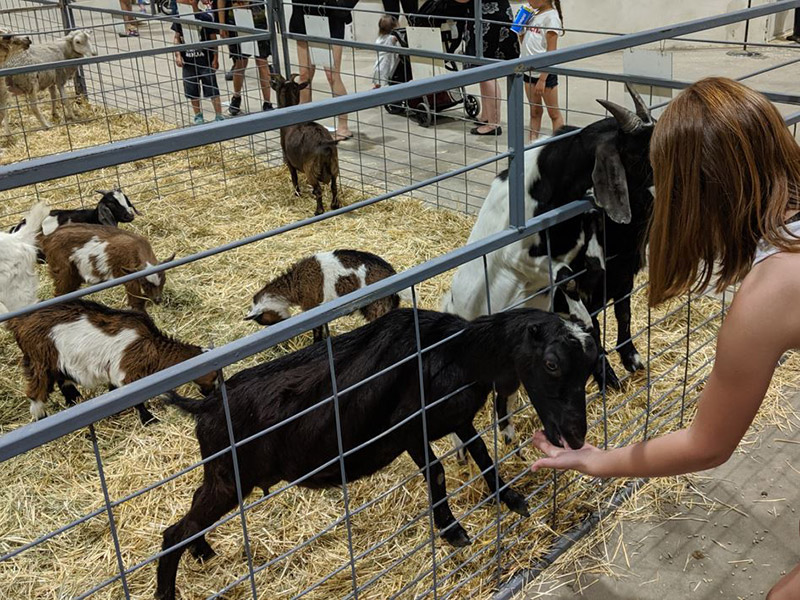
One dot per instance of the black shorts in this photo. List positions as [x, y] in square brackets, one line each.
[264, 47]
[198, 74]
[297, 23]
[550, 82]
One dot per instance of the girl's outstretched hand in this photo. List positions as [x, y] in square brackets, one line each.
[564, 458]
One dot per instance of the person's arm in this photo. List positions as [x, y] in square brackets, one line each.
[212, 35]
[222, 10]
[756, 332]
[552, 44]
[178, 58]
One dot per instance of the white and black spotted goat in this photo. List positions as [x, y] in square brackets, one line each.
[113, 208]
[610, 156]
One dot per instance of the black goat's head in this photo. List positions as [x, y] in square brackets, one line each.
[553, 358]
[622, 154]
[115, 207]
[288, 92]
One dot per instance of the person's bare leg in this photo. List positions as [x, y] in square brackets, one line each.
[490, 103]
[195, 105]
[239, 67]
[217, 104]
[536, 110]
[334, 75]
[263, 77]
[306, 70]
[553, 111]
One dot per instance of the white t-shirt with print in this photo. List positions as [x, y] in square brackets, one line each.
[535, 40]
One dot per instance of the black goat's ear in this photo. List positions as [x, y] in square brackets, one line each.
[610, 183]
[302, 86]
[102, 192]
[105, 216]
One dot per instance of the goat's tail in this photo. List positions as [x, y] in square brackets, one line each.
[33, 222]
[186, 404]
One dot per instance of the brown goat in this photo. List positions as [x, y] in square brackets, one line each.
[83, 253]
[91, 345]
[307, 147]
[11, 45]
[320, 278]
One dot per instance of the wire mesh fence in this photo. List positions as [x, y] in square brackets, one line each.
[89, 493]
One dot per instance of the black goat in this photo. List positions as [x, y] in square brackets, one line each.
[113, 208]
[551, 357]
[307, 147]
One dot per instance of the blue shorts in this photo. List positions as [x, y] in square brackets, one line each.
[550, 82]
[198, 74]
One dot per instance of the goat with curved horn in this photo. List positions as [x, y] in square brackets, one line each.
[642, 110]
[629, 121]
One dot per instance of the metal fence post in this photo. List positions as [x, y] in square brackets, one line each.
[516, 146]
[281, 21]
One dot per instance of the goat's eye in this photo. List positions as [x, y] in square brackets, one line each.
[550, 366]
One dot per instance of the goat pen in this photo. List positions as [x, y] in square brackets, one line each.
[87, 492]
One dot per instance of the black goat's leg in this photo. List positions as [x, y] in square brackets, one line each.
[477, 450]
[334, 195]
[210, 503]
[317, 191]
[504, 423]
[295, 183]
[145, 416]
[627, 351]
[603, 371]
[68, 390]
[443, 517]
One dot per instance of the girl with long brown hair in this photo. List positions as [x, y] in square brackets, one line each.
[727, 210]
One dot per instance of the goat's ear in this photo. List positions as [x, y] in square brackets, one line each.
[302, 86]
[276, 81]
[610, 183]
[102, 192]
[128, 270]
[105, 216]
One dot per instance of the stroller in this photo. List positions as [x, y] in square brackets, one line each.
[424, 109]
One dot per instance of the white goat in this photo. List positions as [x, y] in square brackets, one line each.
[18, 251]
[76, 44]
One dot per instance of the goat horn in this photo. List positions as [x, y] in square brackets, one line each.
[627, 119]
[642, 110]
[293, 77]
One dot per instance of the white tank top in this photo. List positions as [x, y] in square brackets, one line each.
[765, 250]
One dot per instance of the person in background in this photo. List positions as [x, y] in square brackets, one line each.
[240, 60]
[386, 63]
[499, 42]
[199, 67]
[727, 207]
[392, 7]
[795, 36]
[337, 19]
[131, 25]
[142, 4]
[540, 36]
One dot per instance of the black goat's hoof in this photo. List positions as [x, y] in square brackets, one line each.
[148, 419]
[515, 502]
[202, 551]
[632, 362]
[611, 380]
[456, 536]
[319, 211]
[509, 434]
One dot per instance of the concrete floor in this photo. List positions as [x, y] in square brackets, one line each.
[390, 151]
[736, 546]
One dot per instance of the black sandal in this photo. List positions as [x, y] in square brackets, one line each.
[496, 131]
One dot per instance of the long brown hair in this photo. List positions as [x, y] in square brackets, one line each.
[726, 171]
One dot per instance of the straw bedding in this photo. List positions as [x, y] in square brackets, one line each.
[200, 199]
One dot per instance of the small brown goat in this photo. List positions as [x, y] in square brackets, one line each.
[83, 253]
[307, 147]
[91, 345]
[11, 45]
[320, 278]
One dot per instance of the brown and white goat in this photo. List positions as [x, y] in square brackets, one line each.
[11, 45]
[84, 253]
[91, 345]
[307, 147]
[321, 278]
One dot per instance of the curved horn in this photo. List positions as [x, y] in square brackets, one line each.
[642, 110]
[628, 120]
[293, 77]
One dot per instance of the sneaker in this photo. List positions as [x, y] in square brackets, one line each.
[267, 106]
[235, 106]
[229, 75]
[198, 119]
[219, 117]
